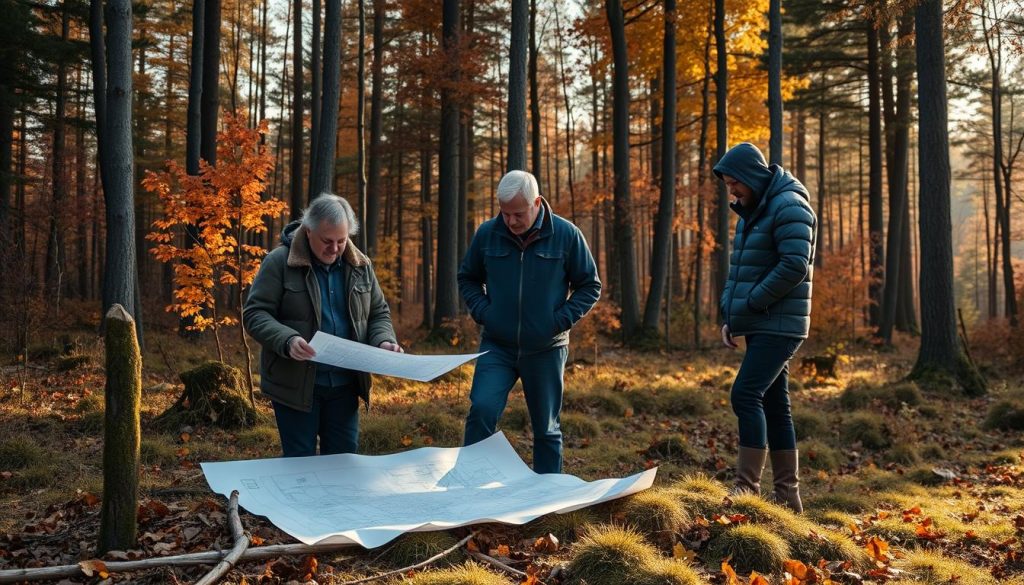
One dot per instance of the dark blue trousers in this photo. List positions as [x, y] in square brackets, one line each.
[334, 419]
[495, 375]
[760, 394]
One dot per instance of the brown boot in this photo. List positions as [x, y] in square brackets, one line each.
[786, 479]
[749, 466]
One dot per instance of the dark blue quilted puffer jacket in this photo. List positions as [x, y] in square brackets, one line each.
[772, 262]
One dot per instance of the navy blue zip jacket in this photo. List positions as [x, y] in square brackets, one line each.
[772, 262]
[528, 299]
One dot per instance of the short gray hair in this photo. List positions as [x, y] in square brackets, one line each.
[332, 209]
[518, 183]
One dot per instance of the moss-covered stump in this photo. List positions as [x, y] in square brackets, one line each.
[215, 393]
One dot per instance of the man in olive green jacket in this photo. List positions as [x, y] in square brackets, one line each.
[316, 280]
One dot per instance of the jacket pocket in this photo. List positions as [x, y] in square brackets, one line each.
[295, 302]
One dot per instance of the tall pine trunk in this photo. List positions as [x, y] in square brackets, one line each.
[721, 254]
[662, 252]
[775, 81]
[298, 201]
[625, 248]
[447, 306]
[321, 175]
[518, 49]
[373, 194]
[940, 350]
[876, 237]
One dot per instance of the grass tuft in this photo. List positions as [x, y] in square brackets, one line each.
[810, 424]
[654, 512]
[665, 572]
[608, 555]
[1006, 415]
[566, 527]
[866, 428]
[468, 574]
[752, 548]
[933, 569]
[414, 547]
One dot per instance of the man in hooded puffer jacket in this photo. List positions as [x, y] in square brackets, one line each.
[767, 300]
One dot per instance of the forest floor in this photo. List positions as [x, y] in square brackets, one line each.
[901, 483]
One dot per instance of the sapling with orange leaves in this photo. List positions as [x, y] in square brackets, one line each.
[225, 204]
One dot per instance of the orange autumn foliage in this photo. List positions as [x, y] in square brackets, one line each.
[225, 205]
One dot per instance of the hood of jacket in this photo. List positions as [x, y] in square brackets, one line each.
[300, 255]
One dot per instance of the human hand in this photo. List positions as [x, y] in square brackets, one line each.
[727, 337]
[391, 347]
[299, 350]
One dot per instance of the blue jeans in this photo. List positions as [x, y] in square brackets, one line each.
[760, 394]
[334, 418]
[496, 373]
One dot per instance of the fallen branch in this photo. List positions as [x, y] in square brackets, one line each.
[496, 563]
[241, 543]
[421, 564]
[189, 560]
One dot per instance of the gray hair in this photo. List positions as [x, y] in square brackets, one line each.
[518, 183]
[332, 209]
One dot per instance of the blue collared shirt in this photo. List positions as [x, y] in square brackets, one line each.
[334, 319]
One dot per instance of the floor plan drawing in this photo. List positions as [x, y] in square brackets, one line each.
[369, 500]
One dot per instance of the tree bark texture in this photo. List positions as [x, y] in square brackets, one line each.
[121, 432]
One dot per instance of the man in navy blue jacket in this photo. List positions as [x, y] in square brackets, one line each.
[767, 299]
[527, 277]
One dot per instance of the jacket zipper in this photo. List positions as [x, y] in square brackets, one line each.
[519, 327]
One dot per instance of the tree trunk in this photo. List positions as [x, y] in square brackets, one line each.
[775, 81]
[317, 82]
[702, 176]
[298, 201]
[55, 252]
[321, 176]
[661, 254]
[361, 122]
[876, 237]
[823, 214]
[940, 350]
[427, 239]
[119, 274]
[625, 248]
[211, 82]
[721, 254]
[518, 49]
[121, 436]
[373, 194]
[447, 306]
[535, 131]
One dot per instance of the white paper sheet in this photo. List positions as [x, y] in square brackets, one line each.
[343, 353]
[370, 500]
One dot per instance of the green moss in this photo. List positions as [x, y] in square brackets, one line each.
[257, 438]
[904, 392]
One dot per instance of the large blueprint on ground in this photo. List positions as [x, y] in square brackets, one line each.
[369, 500]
